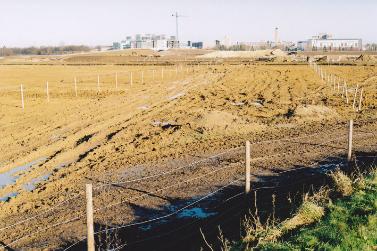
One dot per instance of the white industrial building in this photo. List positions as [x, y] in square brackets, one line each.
[150, 41]
[326, 42]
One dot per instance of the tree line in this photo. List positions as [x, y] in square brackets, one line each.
[43, 50]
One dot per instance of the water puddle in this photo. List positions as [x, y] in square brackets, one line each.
[11, 176]
[31, 185]
[8, 196]
[325, 168]
[144, 107]
[176, 96]
[196, 212]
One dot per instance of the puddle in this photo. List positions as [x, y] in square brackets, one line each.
[238, 103]
[144, 107]
[257, 104]
[30, 186]
[196, 212]
[325, 168]
[176, 96]
[160, 123]
[8, 196]
[11, 176]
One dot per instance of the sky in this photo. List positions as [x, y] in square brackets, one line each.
[100, 22]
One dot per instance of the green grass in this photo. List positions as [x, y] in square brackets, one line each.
[349, 224]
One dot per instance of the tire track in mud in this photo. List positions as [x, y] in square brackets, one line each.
[108, 136]
[103, 117]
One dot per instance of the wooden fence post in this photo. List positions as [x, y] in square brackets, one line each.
[338, 85]
[350, 132]
[360, 99]
[247, 184]
[47, 92]
[116, 80]
[89, 216]
[354, 96]
[22, 97]
[142, 77]
[75, 86]
[162, 73]
[97, 82]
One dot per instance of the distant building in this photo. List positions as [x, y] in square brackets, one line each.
[197, 45]
[150, 41]
[325, 42]
[116, 46]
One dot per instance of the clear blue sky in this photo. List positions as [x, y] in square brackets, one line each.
[93, 22]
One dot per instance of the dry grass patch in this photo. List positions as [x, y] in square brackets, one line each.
[342, 182]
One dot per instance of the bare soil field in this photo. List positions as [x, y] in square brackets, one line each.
[122, 123]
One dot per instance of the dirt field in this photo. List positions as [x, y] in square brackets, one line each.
[114, 131]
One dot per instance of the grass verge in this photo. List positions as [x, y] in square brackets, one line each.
[348, 223]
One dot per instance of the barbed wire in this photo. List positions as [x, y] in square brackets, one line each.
[160, 217]
[172, 171]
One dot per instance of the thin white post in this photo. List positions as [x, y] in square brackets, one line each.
[162, 73]
[47, 92]
[97, 82]
[350, 131]
[247, 184]
[89, 216]
[360, 99]
[75, 86]
[116, 80]
[354, 96]
[142, 77]
[22, 97]
[344, 85]
[346, 91]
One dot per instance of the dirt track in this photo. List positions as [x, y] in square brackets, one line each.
[130, 132]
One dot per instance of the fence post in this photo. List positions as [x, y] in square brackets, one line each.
[142, 77]
[97, 82]
[22, 97]
[247, 184]
[162, 73]
[354, 96]
[361, 98]
[47, 93]
[116, 80]
[350, 132]
[89, 216]
[75, 86]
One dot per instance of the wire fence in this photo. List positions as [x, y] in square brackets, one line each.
[317, 148]
[315, 154]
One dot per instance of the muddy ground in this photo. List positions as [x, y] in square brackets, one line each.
[116, 133]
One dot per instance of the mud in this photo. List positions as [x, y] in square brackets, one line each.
[222, 107]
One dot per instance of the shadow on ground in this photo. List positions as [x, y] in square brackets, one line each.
[275, 195]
